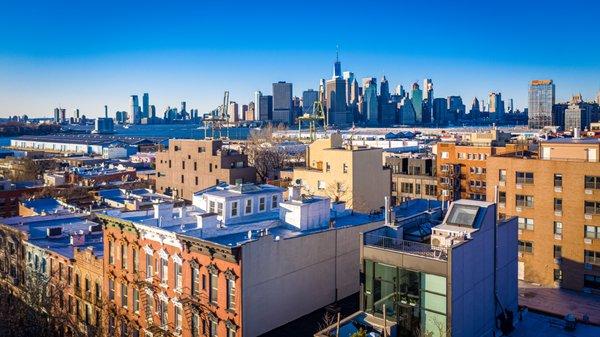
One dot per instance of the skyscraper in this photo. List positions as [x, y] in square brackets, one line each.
[232, 111]
[440, 111]
[496, 107]
[145, 105]
[475, 112]
[370, 100]
[428, 90]
[456, 108]
[384, 90]
[417, 102]
[337, 66]
[309, 97]
[56, 115]
[265, 108]
[282, 103]
[257, 96]
[541, 100]
[336, 101]
[134, 116]
[349, 80]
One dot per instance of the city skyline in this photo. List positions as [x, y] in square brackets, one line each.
[78, 62]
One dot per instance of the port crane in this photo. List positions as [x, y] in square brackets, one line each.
[312, 118]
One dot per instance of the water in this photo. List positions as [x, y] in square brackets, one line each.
[179, 131]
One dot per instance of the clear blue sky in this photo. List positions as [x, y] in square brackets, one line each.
[89, 53]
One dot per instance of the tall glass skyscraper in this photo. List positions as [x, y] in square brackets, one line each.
[370, 98]
[541, 99]
[282, 103]
[417, 102]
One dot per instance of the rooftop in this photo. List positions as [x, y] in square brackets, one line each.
[565, 140]
[47, 206]
[38, 228]
[91, 139]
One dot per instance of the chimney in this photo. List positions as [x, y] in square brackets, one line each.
[294, 192]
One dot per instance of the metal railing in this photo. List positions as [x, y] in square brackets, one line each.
[409, 247]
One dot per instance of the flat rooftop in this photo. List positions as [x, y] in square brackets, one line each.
[573, 141]
[239, 232]
[90, 139]
[46, 205]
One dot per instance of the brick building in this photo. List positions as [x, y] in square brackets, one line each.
[556, 195]
[190, 165]
[413, 177]
[461, 165]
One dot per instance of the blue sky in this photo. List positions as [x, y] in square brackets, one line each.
[89, 53]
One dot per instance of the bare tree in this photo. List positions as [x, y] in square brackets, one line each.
[264, 154]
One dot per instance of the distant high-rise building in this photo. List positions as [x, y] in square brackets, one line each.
[152, 111]
[104, 126]
[475, 112]
[121, 117]
[370, 100]
[417, 102]
[309, 97]
[337, 110]
[105, 111]
[282, 103]
[145, 106]
[456, 108]
[77, 114]
[265, 112]
[251, 113]
[428, 89]
[399, 90]
[384, 90]
[243, 112]
[407, 112]
[232, 111]
[440, 110]
[257, 96]
[134, 116]
[580, 114]
[541, 100]
[598, 97]
[349, 79]
[337, 66]
[496, 106]
[57, 115]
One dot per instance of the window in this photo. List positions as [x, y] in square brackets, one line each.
[149, 306]
[182, 178]
[502, 197]
[592, 182]
[164, 270]
[524, 177]
[111, 253]
[136, 262]
[558, 180]
[195, 281]
[124, 293]
[345, 168]
[525, 223]
[524, 200]
[196, 180]
[525, 246]
[558, 227]
[591, 281]
[177, 279]
[214, 286]
[430, 190]
[211, 206]
[163, 312]
[149, 264]
[195, 325]
[213, 328]
[557, 275]
[592, 207]
[201, 149]
[406, 187]
[136, 300]
[234, 208]
[502, 175]
[557, 205]
[321, 185]
[592, 232]
[248, 208]
[123, 256]
[231, 294]
[592, 257]
[98, 290]
[196, 167]
[327, 167]
[557, 252]
[220, 208]
[178, 318]
[445, 155]
[261, 204]
[274, 202]
[111, 289]
[231, 331]
[394, 188]
[183, 164]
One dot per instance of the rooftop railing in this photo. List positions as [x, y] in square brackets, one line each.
[408, 247]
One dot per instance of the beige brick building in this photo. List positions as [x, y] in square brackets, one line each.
[461, 165]
[189, 165]
[354, 175]
[556, 195]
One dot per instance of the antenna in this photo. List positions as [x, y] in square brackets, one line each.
[337, 52]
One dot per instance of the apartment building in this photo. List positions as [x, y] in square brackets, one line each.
[459, 279]
[61, 253]
[555, 194]
[233, 264]
[352, 174]
[413, 177]
[461, 165]
[191, 165]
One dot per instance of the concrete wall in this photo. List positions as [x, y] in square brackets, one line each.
[284, 280]
[473, 307]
